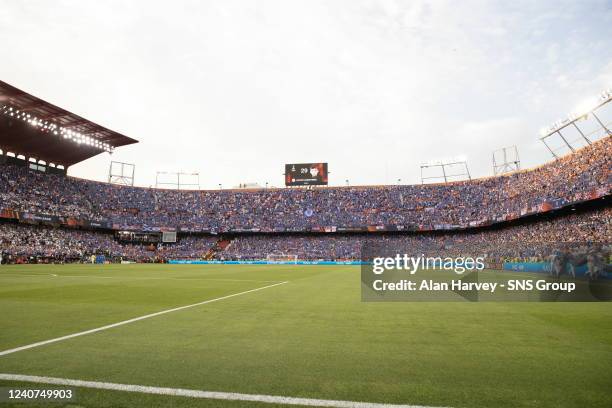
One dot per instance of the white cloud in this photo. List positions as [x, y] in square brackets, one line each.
[235, 89]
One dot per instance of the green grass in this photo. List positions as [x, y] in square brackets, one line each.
[312, 337]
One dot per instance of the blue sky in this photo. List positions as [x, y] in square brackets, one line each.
[235, 89]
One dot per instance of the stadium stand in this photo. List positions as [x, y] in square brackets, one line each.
[24, 243]
[581, 176]
[47, 216]
[525, 241]
[34, 243]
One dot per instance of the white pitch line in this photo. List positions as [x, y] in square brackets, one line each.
[181, 392]
[135, 319]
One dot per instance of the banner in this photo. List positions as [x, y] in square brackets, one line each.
[8, 213]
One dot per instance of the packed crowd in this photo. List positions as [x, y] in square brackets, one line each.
[568, 179]
[35, 243]
[529, 240]
[187, 247]
[30, 241]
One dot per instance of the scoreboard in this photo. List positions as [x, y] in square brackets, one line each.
[306, 174]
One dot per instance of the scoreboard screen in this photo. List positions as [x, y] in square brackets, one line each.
[306, 174]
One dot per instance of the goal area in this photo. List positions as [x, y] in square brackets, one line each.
[282, 258]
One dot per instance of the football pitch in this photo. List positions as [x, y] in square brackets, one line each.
[266, 332]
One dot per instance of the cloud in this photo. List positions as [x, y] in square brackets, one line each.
[236, 89]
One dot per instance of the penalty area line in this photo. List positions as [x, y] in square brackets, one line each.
[135, 319]
[181, 392]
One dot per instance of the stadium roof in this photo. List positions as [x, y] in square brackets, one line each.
[35, 128]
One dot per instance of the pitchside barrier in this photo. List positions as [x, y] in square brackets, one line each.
[264, 262]
[544, 267]
[533, 267]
